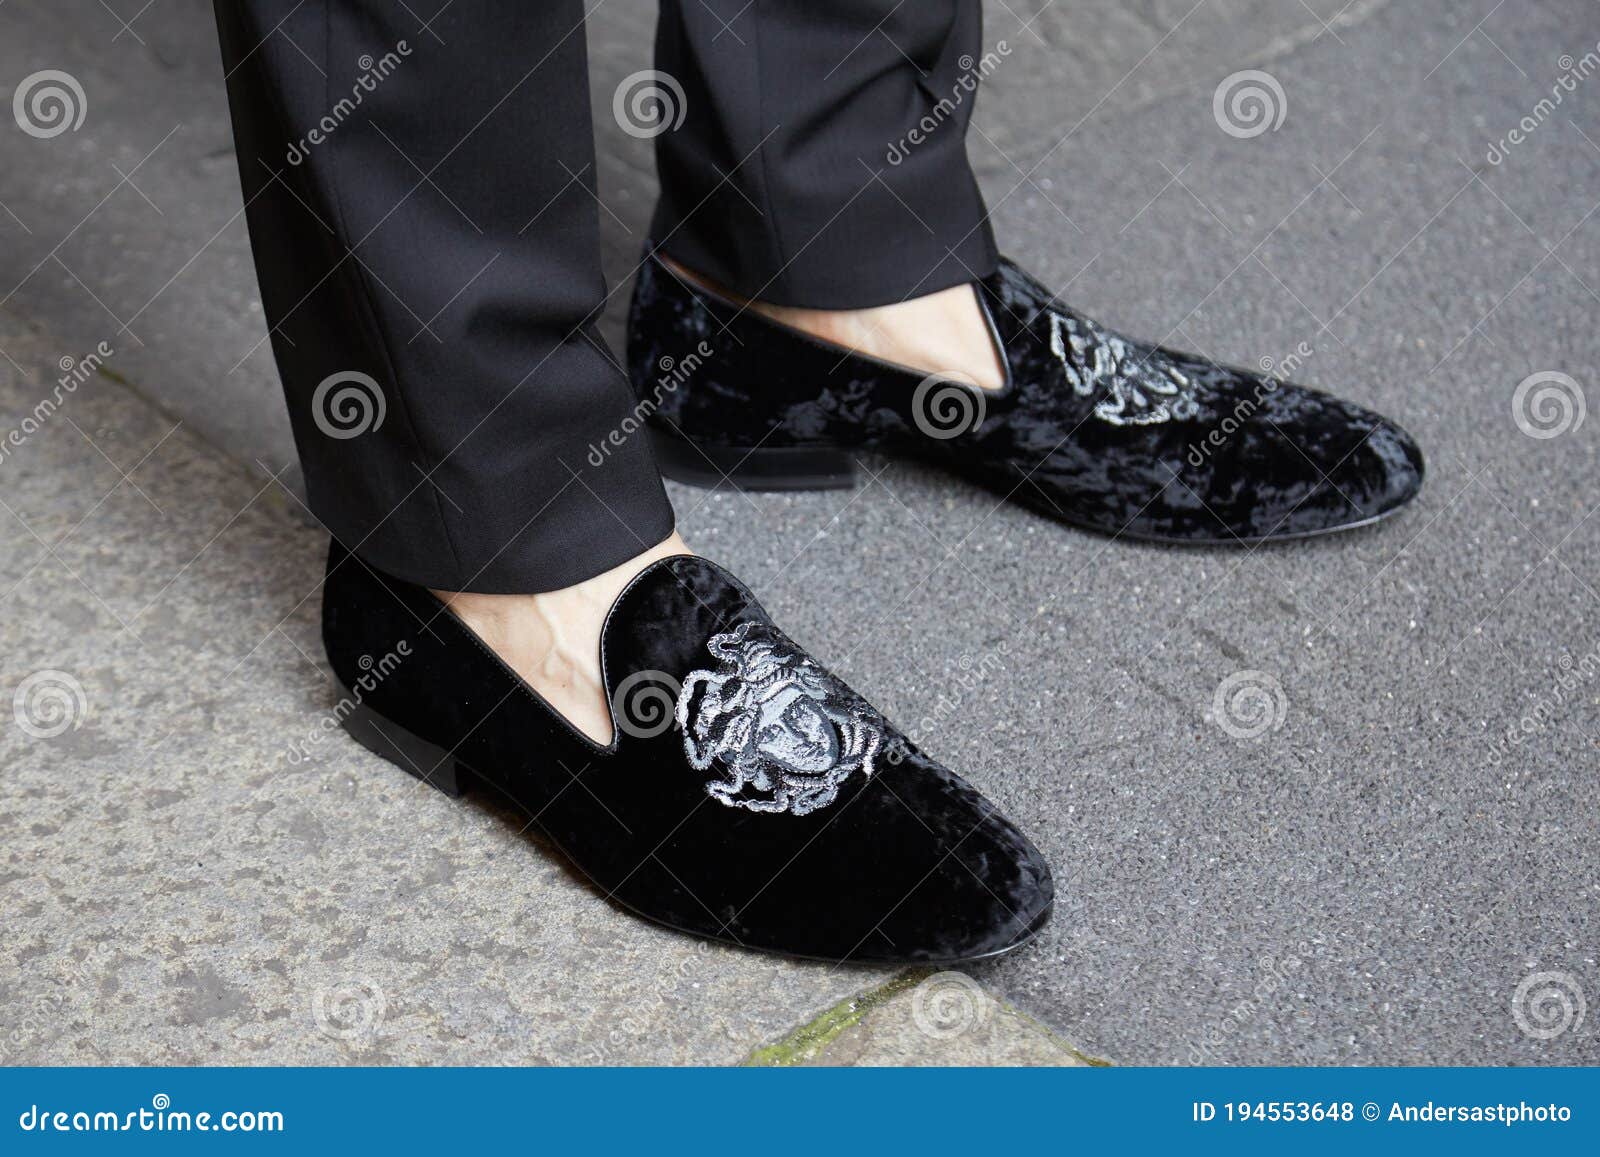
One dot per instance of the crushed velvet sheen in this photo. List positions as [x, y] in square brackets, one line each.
[1092, 429]
[908, 864]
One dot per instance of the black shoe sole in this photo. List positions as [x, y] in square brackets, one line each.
[441, 770]
[786, 468]
[428, 762]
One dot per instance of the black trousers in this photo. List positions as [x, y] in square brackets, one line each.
[419, 183]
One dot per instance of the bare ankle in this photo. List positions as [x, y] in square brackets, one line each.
[944, 332]
[552, 639]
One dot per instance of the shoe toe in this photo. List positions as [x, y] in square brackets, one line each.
[918, 868]
[1369, 472]
[1383, 473]
[1316, 464]
[979, 901]
[985, 889]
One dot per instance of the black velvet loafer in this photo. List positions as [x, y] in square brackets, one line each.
[1092, 429]
[747, 795]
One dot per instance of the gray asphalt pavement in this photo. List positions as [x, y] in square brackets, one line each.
[1396, 863]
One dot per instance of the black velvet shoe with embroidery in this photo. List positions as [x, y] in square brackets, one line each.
[747, 795]
[1092, 429]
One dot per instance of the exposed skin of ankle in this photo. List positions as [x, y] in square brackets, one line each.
[941, 332]
[552, 639]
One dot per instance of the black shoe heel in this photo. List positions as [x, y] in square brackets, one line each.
[431, 764]
[778, 468]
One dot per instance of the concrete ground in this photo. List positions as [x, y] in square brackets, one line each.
[1380, 876]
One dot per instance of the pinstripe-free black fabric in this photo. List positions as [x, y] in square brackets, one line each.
[822, 161]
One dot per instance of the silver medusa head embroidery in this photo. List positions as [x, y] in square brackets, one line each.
[1138, 391]
[783, 732]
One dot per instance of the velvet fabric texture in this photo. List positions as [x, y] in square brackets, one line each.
[1092, 429]
[795, 819]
